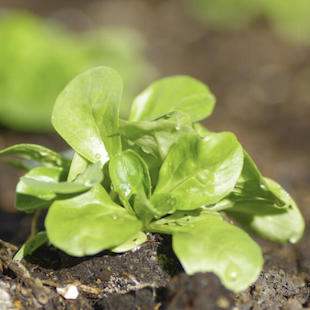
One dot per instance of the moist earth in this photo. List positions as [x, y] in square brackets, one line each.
[149, 277]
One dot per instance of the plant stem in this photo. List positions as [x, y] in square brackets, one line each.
[34, 224]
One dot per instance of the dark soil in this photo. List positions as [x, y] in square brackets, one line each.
[147, 278]
[261, 83]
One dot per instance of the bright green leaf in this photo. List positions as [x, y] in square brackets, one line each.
[163, 203]
[37, 153]
[86, 113]
[214, 245]
[177, 93]
[153, 138]
[131, 244]
[37, 188]
[179, 220]
[29, 197]
[43, 182]
[89, 223]
[78, 165]
[285, 226]
[31, 245]
[154, 208]
[92, 175]
[201, 130]
[129, 174]
[201, 171]
[143, 208]
[252, 186]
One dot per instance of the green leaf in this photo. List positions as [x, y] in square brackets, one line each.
[214, 245]
[31, 245]
[129, 174]
[131, 244]
[201, 130]
[21, 165]
[29, 196]
[163, 203]
[177, 93]
[42, 188]
[86, 113]
[179, 220]
[200, 171]
[92, 175]
[37, 153]
[252, 186]
[78, 165]
[143, 208]
[44, 182]
[153, 138]
[286, 225]
[37, 188]
[156, 207]
[89, 223]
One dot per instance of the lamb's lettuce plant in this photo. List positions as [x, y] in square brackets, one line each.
[160, 171]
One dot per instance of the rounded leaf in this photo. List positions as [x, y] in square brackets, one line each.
[129, 174]
[286, 226]
[200, 171]
[176, 93]
[214, 245]
[86, 113]
[89, 223]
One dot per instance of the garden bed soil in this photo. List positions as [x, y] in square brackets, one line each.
[149, 278]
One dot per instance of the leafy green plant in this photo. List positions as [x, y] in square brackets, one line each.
[38, 58]
[159, 171]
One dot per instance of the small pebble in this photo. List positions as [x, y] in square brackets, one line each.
[222, 302]
[68, 292]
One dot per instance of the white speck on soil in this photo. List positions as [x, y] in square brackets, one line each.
[68, 292]
[5, 298]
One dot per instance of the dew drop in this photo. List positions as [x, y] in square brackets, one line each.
[88, 183]
[262, 186]
[127, 190]
[293, 239]
[177, 127]
[114, 217]
[232, 272]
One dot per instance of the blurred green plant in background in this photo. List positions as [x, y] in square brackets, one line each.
[290, 18]
[38, 58]
[222, 14]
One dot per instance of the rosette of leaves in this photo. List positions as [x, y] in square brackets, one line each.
[38, 58]
[158, 171]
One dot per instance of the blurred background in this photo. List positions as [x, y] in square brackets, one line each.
[253, 54]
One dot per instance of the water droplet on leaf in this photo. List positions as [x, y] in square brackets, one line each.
[293, 239]
[127, 190]
[232, 272]
[262, 186]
